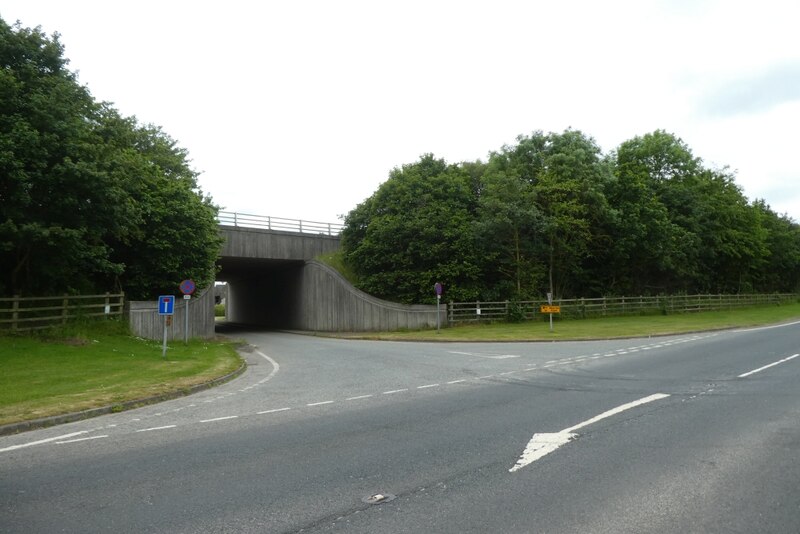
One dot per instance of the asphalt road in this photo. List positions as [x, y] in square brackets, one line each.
[692, 433]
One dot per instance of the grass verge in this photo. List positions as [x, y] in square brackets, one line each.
[98, 363]
[601, 328]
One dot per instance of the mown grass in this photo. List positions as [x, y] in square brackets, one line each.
[601, 328]
[98, 363]
[336, 260]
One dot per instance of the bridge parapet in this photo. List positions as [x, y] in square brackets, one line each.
[265, 222]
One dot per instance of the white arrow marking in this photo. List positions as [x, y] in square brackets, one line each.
[543, 444]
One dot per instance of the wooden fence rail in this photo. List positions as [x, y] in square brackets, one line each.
[464, 312]
[34, 313]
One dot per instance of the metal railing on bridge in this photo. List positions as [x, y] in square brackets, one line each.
[246, 220]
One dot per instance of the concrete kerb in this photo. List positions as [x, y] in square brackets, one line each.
[44, 422]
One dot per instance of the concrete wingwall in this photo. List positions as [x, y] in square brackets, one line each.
[145, 322]
[325, 301]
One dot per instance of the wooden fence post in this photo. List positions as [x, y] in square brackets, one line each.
[15, 313]
[64, 309]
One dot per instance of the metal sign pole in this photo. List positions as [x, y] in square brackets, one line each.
[186, 299]
[550, 302]
[164, 350]
[438, 312]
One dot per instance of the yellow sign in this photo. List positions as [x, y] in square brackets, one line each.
[550, 309]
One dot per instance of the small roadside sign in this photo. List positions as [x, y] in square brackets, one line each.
[187, 287]
[550, 309]
[166, 305]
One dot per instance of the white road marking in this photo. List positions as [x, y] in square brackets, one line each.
[543, 444]
[273, 411]
[456, 381]
[768, 366]
[504, 356]
[219, 419]
[428, 386]
[552, 361]
[530, 369]
[461, 353]
[275, 367]
[507, 373]
[156, 428]
[82, 439]
[319, 403]
[768, 327]
[32, 443]
[392, 392]
[359, 397]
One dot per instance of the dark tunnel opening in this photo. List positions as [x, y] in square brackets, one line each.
[261, 292]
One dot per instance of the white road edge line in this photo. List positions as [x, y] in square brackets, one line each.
[82, 439]
[754, 371]
[219, 419]
[543, 444]
[48, 440]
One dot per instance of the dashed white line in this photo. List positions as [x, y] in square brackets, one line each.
[156, 428]
[393, 391]
[457, 381]
[219, 419]
[507, 373]
[276, 410]
[485, 377]
[745, 375]
[32, 443]
[426, 386]
[359, 397]
[82, 439]
[319, 403]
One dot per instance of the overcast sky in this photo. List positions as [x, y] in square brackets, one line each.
[300, 109]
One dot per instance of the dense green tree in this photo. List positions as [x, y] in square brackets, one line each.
[414, 231]
[550, 211]
[89, 199]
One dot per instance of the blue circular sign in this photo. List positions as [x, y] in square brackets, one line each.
[187, 287]
[438, 288]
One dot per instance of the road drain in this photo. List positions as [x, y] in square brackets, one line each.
[378, 498]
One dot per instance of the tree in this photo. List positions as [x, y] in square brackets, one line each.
[414, 231]
[82, 189]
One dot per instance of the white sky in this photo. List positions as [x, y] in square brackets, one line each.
[300, 109]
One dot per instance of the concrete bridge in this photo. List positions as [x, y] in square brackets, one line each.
[275, 281]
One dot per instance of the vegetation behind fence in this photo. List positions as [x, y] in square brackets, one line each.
[462, 312]
[33, 313]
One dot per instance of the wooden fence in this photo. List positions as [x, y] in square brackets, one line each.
[33, 313]
[463, 312]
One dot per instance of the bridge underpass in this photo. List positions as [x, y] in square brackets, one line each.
[274, 280]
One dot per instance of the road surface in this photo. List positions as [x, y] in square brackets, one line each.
[690, 433]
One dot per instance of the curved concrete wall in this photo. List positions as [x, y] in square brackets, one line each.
[325, 301]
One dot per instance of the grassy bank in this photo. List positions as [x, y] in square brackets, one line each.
[93, 364]
[603, 328]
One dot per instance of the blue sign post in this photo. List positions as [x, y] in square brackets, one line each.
[166, 304]
[166, 307]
